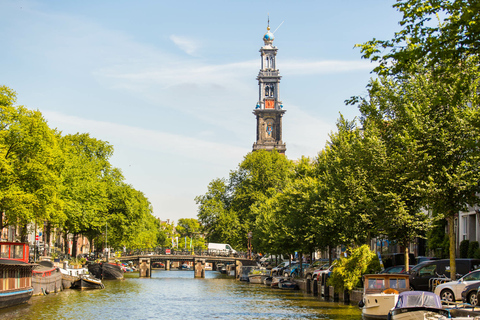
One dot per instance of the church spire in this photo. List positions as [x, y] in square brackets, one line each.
[269, 109]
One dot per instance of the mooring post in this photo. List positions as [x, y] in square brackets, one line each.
[145, 268]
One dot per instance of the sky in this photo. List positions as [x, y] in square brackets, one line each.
[172, 84]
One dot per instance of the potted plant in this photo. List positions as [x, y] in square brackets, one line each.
[55, 256]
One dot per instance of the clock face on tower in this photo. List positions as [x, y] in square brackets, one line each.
[269, 104]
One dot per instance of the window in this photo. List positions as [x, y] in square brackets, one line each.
[398, 283]
[376, 283]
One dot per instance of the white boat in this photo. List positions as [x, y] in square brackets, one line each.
[257, 275]
[418, 305]
[380, 293]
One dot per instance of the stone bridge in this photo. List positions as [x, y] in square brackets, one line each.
[144, 262]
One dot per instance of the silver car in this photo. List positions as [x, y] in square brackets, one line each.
[452, 291]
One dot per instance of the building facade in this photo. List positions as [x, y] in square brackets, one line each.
[269, 109]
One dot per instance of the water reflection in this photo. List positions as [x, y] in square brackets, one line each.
[177, 295]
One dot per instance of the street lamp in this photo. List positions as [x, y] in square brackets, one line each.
[250, 234]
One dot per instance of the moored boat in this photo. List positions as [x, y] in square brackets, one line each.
[412, 305]
[380, 293]
[86, 282]
[15, 274]
[70, 275]
[287, 285]
[112, 271]
[46, 278]
[106, 270]
[257, 275]
[95, 269]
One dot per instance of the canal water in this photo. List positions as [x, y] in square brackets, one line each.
[177, 295]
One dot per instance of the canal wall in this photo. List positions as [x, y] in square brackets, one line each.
[328, 292]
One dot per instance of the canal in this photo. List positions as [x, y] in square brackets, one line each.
[177, 295]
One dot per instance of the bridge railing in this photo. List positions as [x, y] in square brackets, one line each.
[178, 251]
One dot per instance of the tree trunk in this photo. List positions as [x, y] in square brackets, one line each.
[24, 234]
[48, 235]
[74, 245]
[451, 239]
[65, 241]
[407, 259]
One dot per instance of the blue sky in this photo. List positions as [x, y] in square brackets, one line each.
[172, 84]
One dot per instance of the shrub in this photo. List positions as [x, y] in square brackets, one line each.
[464, 248]
[348, 272]
[476, 254]
[472, 247]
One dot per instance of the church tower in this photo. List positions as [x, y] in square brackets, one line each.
[269, 109]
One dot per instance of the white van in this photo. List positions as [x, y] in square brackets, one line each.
[221, 248]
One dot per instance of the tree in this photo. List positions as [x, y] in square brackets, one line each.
[435, 68]
[427, 39]
[261, 172]
[226, 210]
[30, 165]
[432, 128]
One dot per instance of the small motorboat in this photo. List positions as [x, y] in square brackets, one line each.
[287, 285]
[276, 281]
[267, 281]
[86, 282]
[380, 293]
[70, 275]
[257, 275]
[412, 305]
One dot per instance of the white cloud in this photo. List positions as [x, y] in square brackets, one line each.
[324, 66]
[150, 140]
[188, 45]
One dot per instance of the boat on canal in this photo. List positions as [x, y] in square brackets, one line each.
[106, 270]
[15, 274]
[380, 293]
[87, 282]
[257, 275]
[46, 278]
[71, 275]
[421, 305]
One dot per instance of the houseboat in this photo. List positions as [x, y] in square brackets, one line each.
[46, 278]
[15, 274]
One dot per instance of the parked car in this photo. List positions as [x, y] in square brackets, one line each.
[278, 270]
[421, 274]
[314, 266]
[421, 259]
[396, 259]
[396, 269]
[470, 293]
[294, 269]
[452, 290]
[317, 274]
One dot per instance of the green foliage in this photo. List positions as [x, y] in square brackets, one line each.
[30, 165]
[428, 39]
[227, 211]
[348, 272]
[472, 248]
[437, 239]
[464, 248]
[66, 181]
